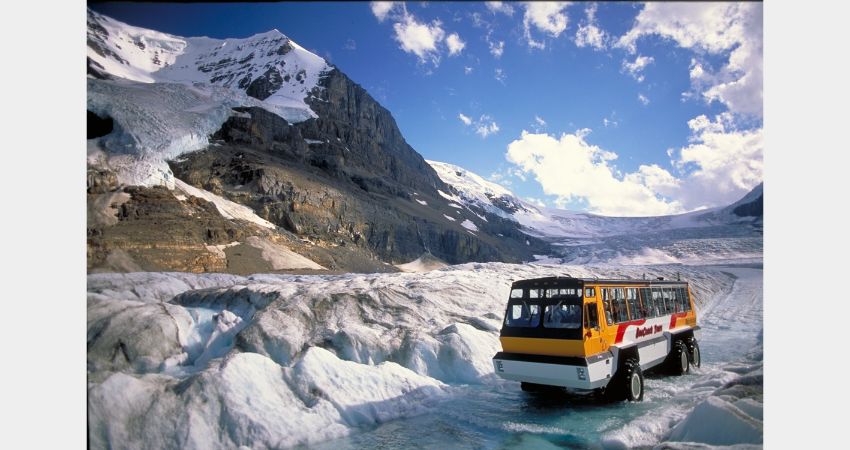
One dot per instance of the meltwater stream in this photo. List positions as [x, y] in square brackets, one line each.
[500, 415]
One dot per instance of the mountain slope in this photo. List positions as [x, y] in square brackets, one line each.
[474, 190]
[282, 133]
[733, 232]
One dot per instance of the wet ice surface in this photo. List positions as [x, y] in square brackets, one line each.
[500, 415]
[385, 361]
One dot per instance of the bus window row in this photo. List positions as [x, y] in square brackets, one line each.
[545, 293]
[625, 304]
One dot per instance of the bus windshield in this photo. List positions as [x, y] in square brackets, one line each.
[562, 315]
[522, 315]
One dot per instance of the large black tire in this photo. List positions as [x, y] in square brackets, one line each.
[678, 361]
[533, 387]
[627, 383]
[694, 353]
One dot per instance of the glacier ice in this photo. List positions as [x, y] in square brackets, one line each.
[273, 360]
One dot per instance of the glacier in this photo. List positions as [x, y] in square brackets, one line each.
[270, 360]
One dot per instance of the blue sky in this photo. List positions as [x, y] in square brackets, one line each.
[673, 91]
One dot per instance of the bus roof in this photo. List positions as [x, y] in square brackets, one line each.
[568, 281]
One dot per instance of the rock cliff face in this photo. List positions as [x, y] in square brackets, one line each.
[326, 181]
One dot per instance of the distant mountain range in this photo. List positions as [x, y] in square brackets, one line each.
[255, 155]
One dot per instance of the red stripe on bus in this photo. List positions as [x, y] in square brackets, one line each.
[676, 316]
[621, 329]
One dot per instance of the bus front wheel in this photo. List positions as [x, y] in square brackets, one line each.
[627, 384]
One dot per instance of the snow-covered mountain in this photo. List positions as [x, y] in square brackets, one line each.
[718, 234]
[267, 66]
[474, 190]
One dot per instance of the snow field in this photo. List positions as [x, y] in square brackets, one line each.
[277, 360]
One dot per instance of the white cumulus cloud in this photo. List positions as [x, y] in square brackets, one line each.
[484, 126]
[496, 48]
[719, 165]
[455, 44]
[635, 68]
[714, 28]
[722, 162]
[589, 34]
[500, 76]
[420, 39]
[546, 17]
[643, 99]
[467, 70]
[572, 169]
[381, 9]
[500, 7]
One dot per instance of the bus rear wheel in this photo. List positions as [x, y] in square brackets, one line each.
[693, 351]
[678, 362]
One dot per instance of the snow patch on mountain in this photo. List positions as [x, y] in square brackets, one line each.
[475, 190]
[281, 257]
[227, 208]
[425, 263]
[167, 94]
[268, 66]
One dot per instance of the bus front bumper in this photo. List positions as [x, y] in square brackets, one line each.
[565, 371]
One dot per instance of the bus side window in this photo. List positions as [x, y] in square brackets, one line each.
[668, 302]
[645, 302]
[635, 311]
[682, 294]
[592, 316]
[658, 302]
[621, 313]
[606, 305]
[589, 293]
[674, 297]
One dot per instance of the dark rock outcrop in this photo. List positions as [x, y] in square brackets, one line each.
[97, 126]
[347, 178]
[265, 85]
[754, 208]
[368, 140]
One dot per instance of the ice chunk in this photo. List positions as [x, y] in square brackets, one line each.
[362, 394]
[718, 422]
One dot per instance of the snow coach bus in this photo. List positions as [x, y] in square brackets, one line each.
[596, 335]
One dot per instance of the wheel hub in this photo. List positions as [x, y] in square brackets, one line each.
[635, 385]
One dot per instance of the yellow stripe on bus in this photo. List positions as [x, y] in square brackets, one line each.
[540, 346]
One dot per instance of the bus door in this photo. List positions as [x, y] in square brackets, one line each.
[593, 341]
